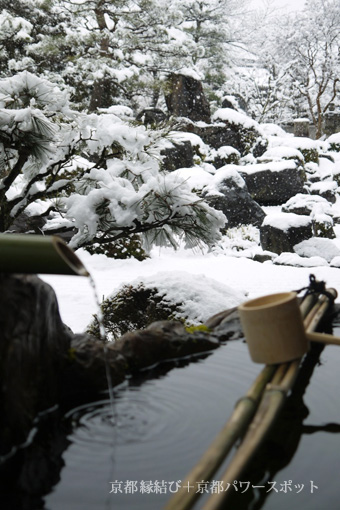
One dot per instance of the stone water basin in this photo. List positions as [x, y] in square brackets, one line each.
[160, 426]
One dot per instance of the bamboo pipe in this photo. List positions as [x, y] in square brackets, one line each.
[37, 254]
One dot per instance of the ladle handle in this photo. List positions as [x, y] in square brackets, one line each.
[323, 338]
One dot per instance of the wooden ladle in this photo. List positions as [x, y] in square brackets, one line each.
[274, 329]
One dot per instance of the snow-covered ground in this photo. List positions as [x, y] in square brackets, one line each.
[77, 302]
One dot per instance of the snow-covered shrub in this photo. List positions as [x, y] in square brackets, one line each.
[133, 307]
[190, 299]
[238, 239]
[334, 142]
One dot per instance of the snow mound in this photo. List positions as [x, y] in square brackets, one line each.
[200, 296]
[275, 130]
[300, 143]
[317, 247]
[293, 259]
[335, 138]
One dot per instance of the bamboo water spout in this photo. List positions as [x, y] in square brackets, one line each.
[37, 254]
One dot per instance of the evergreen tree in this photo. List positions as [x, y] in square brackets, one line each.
[95, 175]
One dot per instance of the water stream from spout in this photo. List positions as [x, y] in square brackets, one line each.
[104, 338]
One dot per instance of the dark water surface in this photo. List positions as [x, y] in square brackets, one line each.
[160, 427]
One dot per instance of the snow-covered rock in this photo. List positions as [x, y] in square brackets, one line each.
[317, 247]
[273, 183]
[280, 232]
[293, 259]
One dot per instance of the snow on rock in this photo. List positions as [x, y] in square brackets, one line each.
[234, 117]
[200, 297]
[123, 112]
[335, 262]
[270, 130]
[229, 173]
[281, 152]
[191, 73]
[285, 221]
[227, 150]
[326, 189]
[299, 142]
[293, 259]
[200, 179]
[274, 166]
[317, 247]
[334, 139]
[196, 177]
[323, 186]
[307, 204]
[196, 141]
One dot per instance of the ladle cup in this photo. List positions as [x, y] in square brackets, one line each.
[274, 329]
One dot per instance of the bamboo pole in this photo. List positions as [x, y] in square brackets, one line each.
[245, 409]
[272, 401]
[223, 443]
[37, 254]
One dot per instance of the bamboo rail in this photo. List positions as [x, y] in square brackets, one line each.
[270, 406]
[256, 410]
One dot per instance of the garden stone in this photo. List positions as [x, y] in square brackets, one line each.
[273, 183]
[177, 155]
[238, 206]
[151, 116]
[185, 98]
[33, 348]
[294, 260]
[281, 232]
[317, 247]
[305, 204]
[239, 132]
[234, 200]
[325, 189]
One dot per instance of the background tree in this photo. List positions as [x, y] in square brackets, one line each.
[297, 64]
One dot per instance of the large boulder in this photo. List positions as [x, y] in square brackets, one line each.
[233, 199]
[185, 98]
[33, 348]
[273, 183]
[281, 232]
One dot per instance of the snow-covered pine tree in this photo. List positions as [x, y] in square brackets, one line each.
[95, 175]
